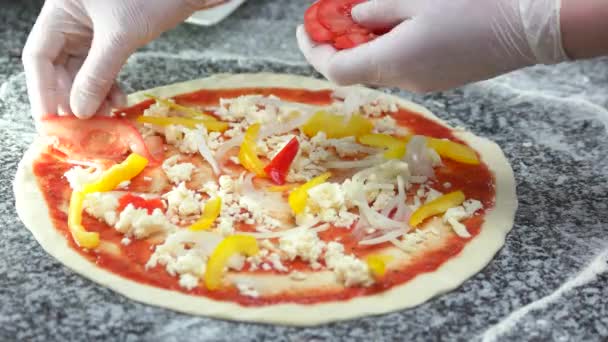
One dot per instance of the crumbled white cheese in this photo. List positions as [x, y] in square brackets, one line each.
[177, 172]
[327, 203]
[275, 260]
[303, 244]
[158, 109]
[182, 202]
[139, 224]
[102, 206]
[453, 216]
[348, 269]
[79, 176]
[188, 281]
[247, 290]
[186, 140]
[125, 241]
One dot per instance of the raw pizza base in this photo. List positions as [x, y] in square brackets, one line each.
[33, 211]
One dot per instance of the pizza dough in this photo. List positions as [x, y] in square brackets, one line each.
[33, 211]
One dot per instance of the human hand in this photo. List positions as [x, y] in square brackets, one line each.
[440, 44]
[77, 47]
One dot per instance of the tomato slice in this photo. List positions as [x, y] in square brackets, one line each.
[350, 40]
[140, 203]
[315, 30]
[335, 15]
[95, 138]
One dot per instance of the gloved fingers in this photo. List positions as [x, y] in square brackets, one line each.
[96, 76]
[64, 86]
[42, 48]
[382, 14]
[317, 55]
[105, 109]
[117, 97]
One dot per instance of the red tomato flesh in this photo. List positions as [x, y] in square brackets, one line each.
[95, 138]
[316, 31]
[140, 203]
[330, 21]
[335, 15]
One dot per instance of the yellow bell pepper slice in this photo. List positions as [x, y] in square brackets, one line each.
[211, 125]
[377, 264]
[109, 180]
[282, 188]
[235, 244]
[211, 211]
[395, 147]
[248, 153]
[299, 196]
[335, 126]
[191, 112]
[437, 206]
[454, 151]
[82, 238]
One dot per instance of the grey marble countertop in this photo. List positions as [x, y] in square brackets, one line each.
[547, 283]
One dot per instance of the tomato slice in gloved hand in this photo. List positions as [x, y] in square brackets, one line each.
[336, 16]
[97, 137]
[350, 40]
[278, 168]
[316, 31]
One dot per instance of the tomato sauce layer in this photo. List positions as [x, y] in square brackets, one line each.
[477, 182]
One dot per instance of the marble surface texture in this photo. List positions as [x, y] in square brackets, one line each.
[547, 283]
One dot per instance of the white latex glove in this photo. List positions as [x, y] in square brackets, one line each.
[77, 47]
[440, 44]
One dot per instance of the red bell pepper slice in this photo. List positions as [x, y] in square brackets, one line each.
[278, 168]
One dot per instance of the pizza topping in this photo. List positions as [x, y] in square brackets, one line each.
[248, 153]
[182, 203]
[303, 244]
[455, 214]
[205, 151]
[82, 238]
[337, 126]
[177, 172]
[211, 125]
[137, 201]
[235, 244]
[79, 176]
[454, 151]
[436, 207]
[278, 167]
[395, 148]
[348, 269]
[210, 213]
[111, 178]
[299, 196]
[184, 110]
[103, 206]
[140, 224]
[95, 138]
[377, 264]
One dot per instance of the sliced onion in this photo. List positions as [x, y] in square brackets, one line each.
[375, 219]
[394, 234]
[418, 158]
[353, 164]
[206, 153]
[282, 233]
[403, 212]
[270, 201]
[203, 240]
[235, 141]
